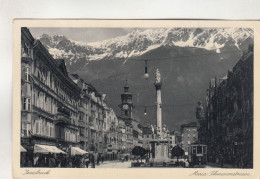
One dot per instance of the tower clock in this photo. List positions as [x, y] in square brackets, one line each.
[126, 103]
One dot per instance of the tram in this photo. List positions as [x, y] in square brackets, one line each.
[198, 155]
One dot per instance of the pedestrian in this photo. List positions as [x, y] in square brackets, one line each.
[233, 161]
[222, 160]
[35, 160]
[87, 161]
[52, 161]
[58, 160]
[41, 161]
[102, 158]
[93, 161]
[73, 161]
[98, 158]
[82, 162]
[28, 161]
[95, 157]
[63, 162]
[69, 165]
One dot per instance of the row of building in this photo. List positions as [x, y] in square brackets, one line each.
[226, 124]
[63, 110]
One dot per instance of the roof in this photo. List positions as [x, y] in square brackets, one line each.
[62, 66]
[191, 124]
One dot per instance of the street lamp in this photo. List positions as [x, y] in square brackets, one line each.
[146, 75]
[145, 111]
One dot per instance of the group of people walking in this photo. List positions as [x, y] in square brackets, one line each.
[61, 160]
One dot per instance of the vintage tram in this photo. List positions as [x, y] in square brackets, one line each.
[197, 155]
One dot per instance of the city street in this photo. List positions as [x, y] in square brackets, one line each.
[62, 114]
[114, 164]
[118, 164]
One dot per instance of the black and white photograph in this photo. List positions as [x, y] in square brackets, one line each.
[137, 97]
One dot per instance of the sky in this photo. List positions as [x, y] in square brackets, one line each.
[82, 34]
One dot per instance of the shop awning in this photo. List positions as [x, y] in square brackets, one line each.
[22, 149]
[77, 151]
[45, 149]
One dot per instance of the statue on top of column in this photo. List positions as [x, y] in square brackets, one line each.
[157, 76]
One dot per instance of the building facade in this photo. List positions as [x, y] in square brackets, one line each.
[126, 107]
[148, 136]
[92, 113]
[189, 135]
[132, 132]
[112, 133]
[49, 98]
[63, 110]
[229, 114]
[172, 139]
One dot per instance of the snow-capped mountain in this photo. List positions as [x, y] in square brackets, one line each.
[139, 42]
[185, 80]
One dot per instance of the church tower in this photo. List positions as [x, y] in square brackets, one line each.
[126, 103]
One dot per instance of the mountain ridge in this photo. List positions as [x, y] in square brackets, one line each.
[137, 42]
[185, 79]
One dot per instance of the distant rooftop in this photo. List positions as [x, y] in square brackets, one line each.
[191, 124]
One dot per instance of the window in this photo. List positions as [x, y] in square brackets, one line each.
[27, 104]
[235, 106]
[193, 150]
[81, 131]
[37, 127]
[51, 132]
[188, 135]
[24, 130]
[194, 135]
[199, 149]
[26, 49]
[40, 100]
[48, 129]
[204, 149]
[48, 78]
[34, 99]
[188, 142]
[26, 73]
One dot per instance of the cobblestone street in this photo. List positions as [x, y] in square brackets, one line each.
[114, 164]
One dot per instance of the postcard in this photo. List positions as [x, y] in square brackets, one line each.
[135, 99]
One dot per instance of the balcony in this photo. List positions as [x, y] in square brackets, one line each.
[112, 146]
[82, 139]
[42, 112]
[91, 125]
[81, 123]
[62, 118]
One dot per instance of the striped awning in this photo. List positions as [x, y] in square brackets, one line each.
[22, 149]
[45, 149]
[77, 151]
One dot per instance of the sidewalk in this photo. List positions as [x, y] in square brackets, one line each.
[109, 161]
